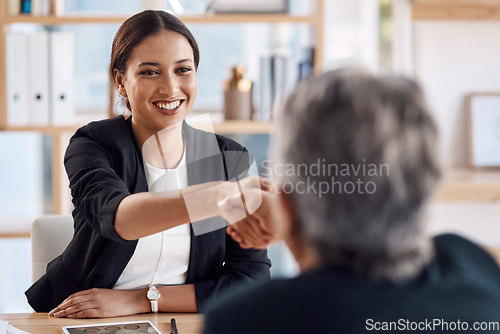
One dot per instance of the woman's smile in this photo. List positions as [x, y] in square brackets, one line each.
[169, 108]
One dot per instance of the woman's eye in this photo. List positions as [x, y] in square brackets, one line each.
[184, 70]
[149, 72]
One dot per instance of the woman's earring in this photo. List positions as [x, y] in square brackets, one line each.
[121, 104]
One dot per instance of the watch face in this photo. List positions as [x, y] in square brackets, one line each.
[153, 293]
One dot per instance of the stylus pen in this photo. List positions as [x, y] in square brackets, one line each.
[173, 327]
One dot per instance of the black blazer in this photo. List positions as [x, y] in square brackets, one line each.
[460, 284]
[104, 164]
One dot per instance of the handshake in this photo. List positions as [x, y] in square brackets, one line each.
[255, 213]
[252, 206]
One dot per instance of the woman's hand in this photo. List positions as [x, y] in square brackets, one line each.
[261, 225]
[102, 303]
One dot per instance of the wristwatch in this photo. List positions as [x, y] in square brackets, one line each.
[153, 296]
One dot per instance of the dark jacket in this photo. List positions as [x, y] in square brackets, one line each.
[104, 165]
[458, 292]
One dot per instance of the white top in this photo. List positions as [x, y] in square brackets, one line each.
[161, 258]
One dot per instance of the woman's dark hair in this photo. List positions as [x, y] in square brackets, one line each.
[140, 26]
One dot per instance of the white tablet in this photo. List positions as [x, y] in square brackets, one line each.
[132, 327]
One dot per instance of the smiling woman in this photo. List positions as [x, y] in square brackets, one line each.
[160, 85]
[134, 251]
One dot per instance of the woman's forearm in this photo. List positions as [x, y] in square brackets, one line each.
[105, 303]
[143, 214]
[177, 298]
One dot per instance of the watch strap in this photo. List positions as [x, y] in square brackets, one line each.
[154, 306]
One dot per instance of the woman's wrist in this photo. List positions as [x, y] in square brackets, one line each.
[202, 202]
[142, 302]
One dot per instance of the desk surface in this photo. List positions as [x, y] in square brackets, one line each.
[41, 323]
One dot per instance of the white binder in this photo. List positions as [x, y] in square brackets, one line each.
[13, 7]
[62, 103]
[38, 69]
[265, 84]
[17, 79]
[40, 7]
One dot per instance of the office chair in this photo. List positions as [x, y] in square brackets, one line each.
[49, 237]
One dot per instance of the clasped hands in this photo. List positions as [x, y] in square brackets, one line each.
[254, 213]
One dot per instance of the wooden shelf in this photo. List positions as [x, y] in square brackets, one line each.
[487, 10]
[469, 185]
[208, 19]
[243, 127]
[42, 129]
[225, 127]
[15, 227]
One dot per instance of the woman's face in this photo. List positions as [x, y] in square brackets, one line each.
[160, 81]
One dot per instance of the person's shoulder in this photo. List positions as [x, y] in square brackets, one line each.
[268, 294]
[110, 136]
[112, 133]
[103, 127]
[277, 306]
[451, 242]
[237, 307]
[463, 253]
[246, 297]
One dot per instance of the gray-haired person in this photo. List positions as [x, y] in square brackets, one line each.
[355, 159]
